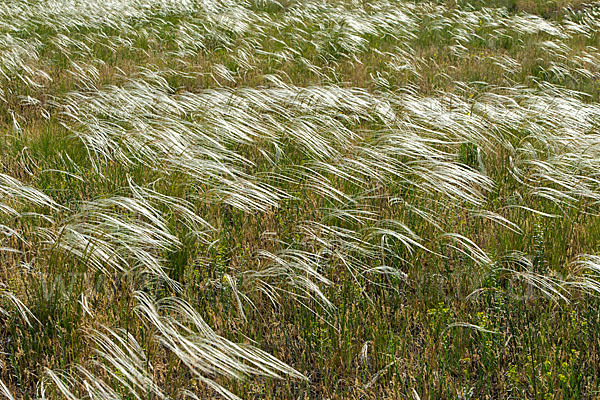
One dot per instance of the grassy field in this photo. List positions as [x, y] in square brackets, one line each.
[300, 199]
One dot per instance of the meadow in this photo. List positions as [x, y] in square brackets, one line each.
[299, 199]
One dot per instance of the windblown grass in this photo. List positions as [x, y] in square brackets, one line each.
[313, 200]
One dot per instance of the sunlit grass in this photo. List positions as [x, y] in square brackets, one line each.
[265, 199]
